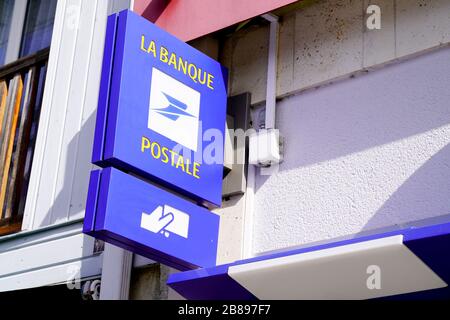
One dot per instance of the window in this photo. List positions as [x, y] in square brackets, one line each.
[6, 9]
[37, 32]
[23, 65]
[25, 27]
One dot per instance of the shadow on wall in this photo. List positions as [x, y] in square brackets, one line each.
[154, 9]
[431, 181]
[70, 200]
[380, 107]
[69, 203]
[81, 147]
[345, 129]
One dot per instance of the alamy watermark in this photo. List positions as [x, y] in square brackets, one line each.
[373, 21]
[210, 150]
[373, 282]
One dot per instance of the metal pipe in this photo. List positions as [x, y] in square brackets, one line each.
[271, 91]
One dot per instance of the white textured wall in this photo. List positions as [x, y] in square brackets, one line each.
[357, 158]
[361, 154]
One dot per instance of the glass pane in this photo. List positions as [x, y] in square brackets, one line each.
[6, 9]
[37, 33]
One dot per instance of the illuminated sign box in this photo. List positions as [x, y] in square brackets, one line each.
[162, 109]
[140, 217]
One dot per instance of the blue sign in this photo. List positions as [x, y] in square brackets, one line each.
[162, 109]
[140, 217]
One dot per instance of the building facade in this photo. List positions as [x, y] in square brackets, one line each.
[360, 99]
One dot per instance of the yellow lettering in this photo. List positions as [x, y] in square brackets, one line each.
[152, 48]
[143, 44]
[172, 156]
[145, 144]
[173, 60]
[188, 166]
[210, 81]
[158, 154]
[200, 76]
[180, 163]
[163, 53]
[165, 157]
[193, 75]
[182, 64]
[196, 170]
[190, 69]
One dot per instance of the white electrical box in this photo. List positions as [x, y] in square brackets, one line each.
[265, 148]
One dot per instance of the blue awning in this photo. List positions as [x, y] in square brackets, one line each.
[412, 263]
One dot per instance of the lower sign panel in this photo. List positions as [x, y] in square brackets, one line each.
[140, 217]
